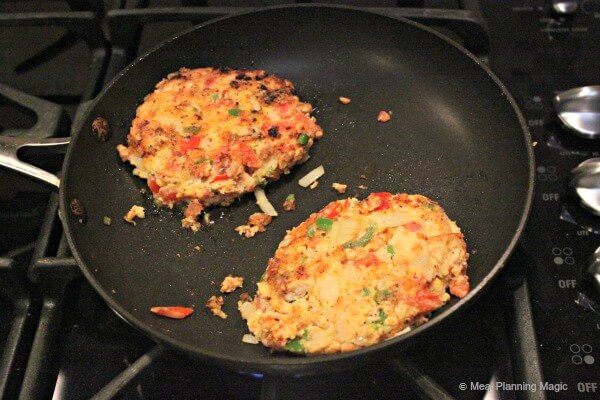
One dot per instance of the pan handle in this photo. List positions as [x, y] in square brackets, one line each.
[9, 147]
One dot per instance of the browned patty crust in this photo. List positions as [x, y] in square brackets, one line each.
[206, 136]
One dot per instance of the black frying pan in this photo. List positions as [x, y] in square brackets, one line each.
[456, 136]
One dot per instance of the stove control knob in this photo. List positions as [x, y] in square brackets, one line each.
[585, 182]
[594, 269]
[565, 7]
[579, 110]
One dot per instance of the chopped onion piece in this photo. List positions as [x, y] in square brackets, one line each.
[249, 338]
[312, 176]
[390, 220]
[263, 202]
[343, 231]
[403, 331]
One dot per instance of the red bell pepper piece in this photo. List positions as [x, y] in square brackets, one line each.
[427, 300]
[459, 286]
[248, 155]
[220, 177]
[413, 226]
[385, 200]
[175, 312]
[332, 211]
[153, 185]
[189, 144]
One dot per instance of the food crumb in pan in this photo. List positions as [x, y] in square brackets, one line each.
[206, 219]
[134, 212]
[384, 116]
[364, 177]
[190, 223]
[534, 144]
[230, 283]
[314, 185]
[106, 220]
[247, 231]
[101, 129]
[78, 210]
[363, 187]
[257, 222]
[339, 187]
[191, 213]
[214, 304]
[344, 100]
[198, 248]
[290, 202]
[250, 339]
[260, 219]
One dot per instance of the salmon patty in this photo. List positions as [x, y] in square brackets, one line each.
[357, 273]
[206, 136]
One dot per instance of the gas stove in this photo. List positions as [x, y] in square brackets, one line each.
[534, 334]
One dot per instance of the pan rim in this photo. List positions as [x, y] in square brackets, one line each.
[293, 364]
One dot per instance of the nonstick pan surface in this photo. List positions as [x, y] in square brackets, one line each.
[456, 136]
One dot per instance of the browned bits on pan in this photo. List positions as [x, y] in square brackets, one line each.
[78, 211]
[384, 116]
[214, 304]
[261, 220]
[230, 283]
[257, 222]
[100, 129]
[290, 202]
[344, 100]
[339, 187]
